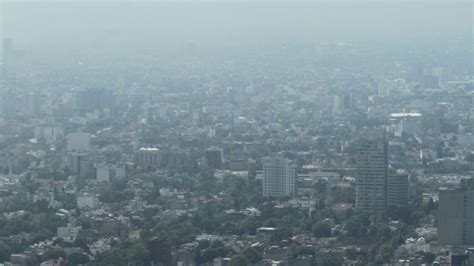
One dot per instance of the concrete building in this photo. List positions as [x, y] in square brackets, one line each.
[88, 100]
[148, 157]
[32, 104]
[74, 162]
[456, 215]
[8, 103]
[214, 158]
[50, 134]
[120, 171]
[102, 172]
[408, 123]
[68, 233]
[80, 164]
[78, 142]
[372, 173]
[87, 201]
[278, 177]
[398, 189]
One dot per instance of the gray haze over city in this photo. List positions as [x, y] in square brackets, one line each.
[236, 132]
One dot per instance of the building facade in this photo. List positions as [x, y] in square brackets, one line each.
[148, 158]
[372, 173]
[398, 189]
[456, 215]
[278, 177]
[214, 158]
[78, 142]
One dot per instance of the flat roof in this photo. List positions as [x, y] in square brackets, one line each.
[405, 115]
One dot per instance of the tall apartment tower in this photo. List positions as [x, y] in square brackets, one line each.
[372, 173]
[398, 189]
[214, 157]
[456, 215]
[78, 142]
[278, 177]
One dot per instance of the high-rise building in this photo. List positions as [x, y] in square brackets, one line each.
[456, 215]
[89, 100]
[120, 171]
[79, 164]
[214, 158]
[398, 189]
[32, 104]
[278, 177]
[7, 50]
[372, 173]
[78, 142]
[148, 157]
[408, 123]
[7, 56]
[8, 104]
[74, 162]
[102, 172]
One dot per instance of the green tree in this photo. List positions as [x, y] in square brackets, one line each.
[329, 260]
[238, 260]
[322, 229]
[53, 254]
[252, 255]
[138, 253]
[384, 254]
[4, 251]
[357, 226]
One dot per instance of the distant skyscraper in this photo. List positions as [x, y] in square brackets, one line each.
[278, 177]
[398, 189]
[89, 100]
[148, 158]
[78, 142]
[430, 82]
[102, 172]
[7, 48]
[456, 215]
[80, 164]
[32, 104]
[214, 158]
[8, 104]
[7, 57]
[372, 173]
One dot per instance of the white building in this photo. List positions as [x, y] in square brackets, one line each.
[278, 177]
[102, 172]
[32, 104]
[168, 192]
[78, 142]
[69, 233]
[408, 123]
[120, 171]
[87, 201]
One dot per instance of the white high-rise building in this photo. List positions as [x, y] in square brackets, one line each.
[120, 171]
[278, 177]
[102, 172]
[78, 142]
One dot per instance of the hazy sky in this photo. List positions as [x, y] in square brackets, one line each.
[157, 25]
